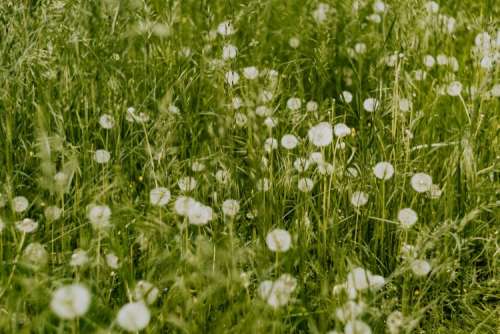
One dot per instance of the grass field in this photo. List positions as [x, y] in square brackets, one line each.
[255, 166]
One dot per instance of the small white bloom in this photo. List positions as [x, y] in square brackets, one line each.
[405, 105]
[263, 111]
[225, 28]
[321, 134]
[187, 183]
[289, 142]
[102, 156]
[20, 203]
[240, 119]
[370, 104]
[429, 61]
[270, 122]
[420, 267]
[347, 96]
[294, 42]
[360, 48]
[232, 78]
[357, 327]
[79, 258]
[263, 184]
[230, 207]
[305, 184]
[250, 72]
[222, 176]
[293, 103]
[99, 216]
[278, 240]
[199, 214]
[301, 164]
[341, 130]
[35, 255]
[237, 102]
[146, 292]
[133, 317]
[182, 205]
[421, 182]
[106, 121]
[316, 157]
[383, 170]
[432, 7]
[454, 88]
[375, 18]
[359, 198]
[52, 212]
[442, 59]
[407, 217]
[379, 7]
[27, 225]
[270, 144]
[112, 261]
[229, 51]
[277, 293]
[311, 106]
[70, 301]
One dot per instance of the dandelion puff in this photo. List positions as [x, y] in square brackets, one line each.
[250, 72]
[112, 261]
[106, 121]
[232, 78]
[225, 28]
[133, 317]
[311, 106]
[199, 214]
[383, 170]
[305, 184]
[240, 119]
[230, 207]
[341, 130]
[316, 158]
[432, 7]
[394, 322]
[321, 135]
[146, 292]
[301, 164]
[379, 7]
[357, 327]
[236, 102]
[270, 122]
[429, 61]
[186, 184]
[289, 142]
[278, 240]
[420, 267]
[102, 156]
[263, 111]
[350, 310]
[27, 225]
[405, 105]
[359, 198]
[407, 217]
[52, 213]
[454, 88]
[222, 176]
[20, 204]
[293, 103]
[294, 42]
[270, 144]
[229, 51]
[421, 182]
[347, 96]
[182, 205]
[79, 258]
[36, 255]
[370, 104]
[99, 216]
[159, 196]
[70, 301]
[263, 184]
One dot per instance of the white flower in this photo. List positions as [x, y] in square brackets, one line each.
[52, 212]
[321, 134]
[375, 18]
[230, 207]
[289, 142]
[146, 292]
[237, 102]
[383, 170]
[420, 267]
[36, 255]
[270, 122]
[27, 225]
[240, 119]
[186, 183]
[173, 109]
[420, 75]
[362, 279]
[325, 168]
[495, 90]
[407, 217]
[197, 166]
[347, 96]
[182, 205]
[112, 261]
[70, 301]
[278, 240]
[265, 96]
[316, 157]
[277, 293]
[20, 203]
[379, 7]
[99, 216]
[405, 105]
[301, 164]
[421, 182]
[263, 111]
[357, 327]
[222, 176]
[442, 59]
[293, 103]
[341, 130]
[429, 61]
[432, 7]
[133, 317]
[294, 42]
[370, 104]
[159, 196]
[102, 156]
[199, 214]
[311, 106]
[454, 88]
[79, 258]
[229, 51]
[359, 198]
[225, 28]
[394, 322]
[483, 41]
[305, 184]
[106, 121]
[360, 48]
[350, 310]
[263, 184]
[270, 144]
[250, 72]
[232, 78]
[320, 14]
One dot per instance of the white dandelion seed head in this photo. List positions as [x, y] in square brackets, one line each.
[270, 122]
[278, 240]
[70, 301]
[27, 225]
[222, 176]
[429, 61]
[230, 207]
[350, 310]
[146, 292]
[420, 75]
[270, 144]
[250, 72]
[277, 293]
[321, 135]
[236, 102]
[405, 105]
[199, 214]
[301, 164]
[375, 18]
[320, 14]
[341, 130]
[432, 7]
[305, 184]
[370, 104]
[442, 59]
[483, 41]
[106, 121]
[316, 157]
[232, 78]
[263, 111]
[99, 216]
[407, 217]
[102, 156]
[420, 267]
[311, 106]
[394, 322]
[112, 261]
[229, 51]
[347, 96]
[225, 28]
[495, 90]
[187, 183]
[36, 255]
[240, 119]
[421, 182]
[79, 258]
[357, 327]
[379, 7]
[266, 96]
[359, 198]
[182, 205]
[293, 103]
[294, 42]
[360, 48]
[383, 170]
[454, 88]
[263, 184]
[52, 212]
[133, 317]
[325, 168]
[289, 142]
[20, 204]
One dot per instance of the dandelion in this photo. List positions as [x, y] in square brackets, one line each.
[146, 292]
[278, 240]
[294, 42]
[362, 279]
[289, 142]
[495, 90]
[240, 119]
[454, 88]
[420, 267]
[321, 134]
[432, 7]
[301, 164]
[270, 122]
[230, 207]
[99, 216]
[232, 78]
[370, 104]
[52, 213]
[182, 205]
[359, 198]
[350, 310]
[394, 322]
[79, 258]
[341, 130]
[27, 225]
[405, 105]
[305, 184]
[236, 102]
[229, 51]
[311, 106]
[102, 156]
[174, 110]
[112, 261]
[293, 103]
[263, 111]
[379, 7]
[347, 96]
[186, 184]
[316, 157]
[270, 144]
[421, 182]
[429, 61]
[360, 48]
[133, 317]
[357, 327]
[383, 170]
[106, 121]
[35, 255]
[225, 28]
[70, 301]
[222, 176]
[325, 168]
[320, 14]
[263, 184]
[375, 18]
[250, 72]
[199, 214]
[277, 293]
[407, 217]
[20, 204]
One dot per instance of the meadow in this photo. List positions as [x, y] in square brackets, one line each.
[259, 166]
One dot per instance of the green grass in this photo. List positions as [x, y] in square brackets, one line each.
[65, 63]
